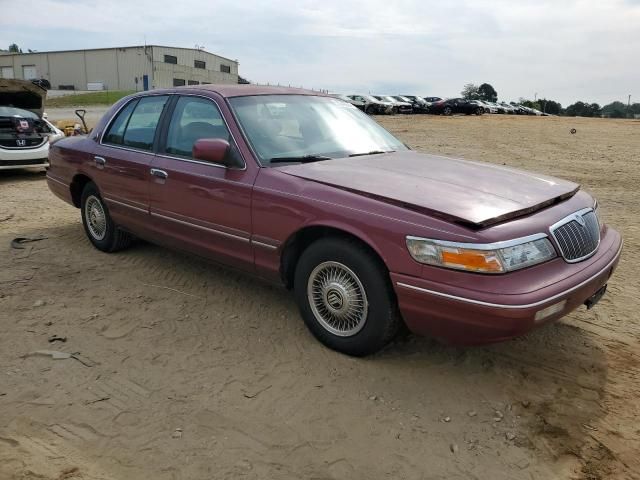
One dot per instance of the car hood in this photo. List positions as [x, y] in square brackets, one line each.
[473, 193]
[22, 94]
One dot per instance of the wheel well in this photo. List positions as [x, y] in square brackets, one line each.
[298, 242]
[77, 186]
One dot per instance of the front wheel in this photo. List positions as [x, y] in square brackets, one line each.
[447, 111]
[345, 297]
[479, 111]
[103, 233]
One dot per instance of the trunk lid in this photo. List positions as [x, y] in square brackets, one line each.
[473, 193]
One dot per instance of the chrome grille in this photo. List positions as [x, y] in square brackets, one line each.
[577, 235]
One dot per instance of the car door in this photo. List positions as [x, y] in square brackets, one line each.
[197, 205]
[456, 105]
[123, 157]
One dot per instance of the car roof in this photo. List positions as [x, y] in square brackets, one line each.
[239, 90]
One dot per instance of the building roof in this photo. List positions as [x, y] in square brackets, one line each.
[6, 52]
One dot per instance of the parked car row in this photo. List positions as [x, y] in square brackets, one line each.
[387, 104]
[514, 109]
[405, 104]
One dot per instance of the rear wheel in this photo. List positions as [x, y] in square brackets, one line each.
[369, 110]
[479, 111]
[103, 233]
[345, 297]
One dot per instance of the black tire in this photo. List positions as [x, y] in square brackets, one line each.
[479, 111]
[447, 111]
[380, 321]
[394, 111]
[369, 110]
[113, 238]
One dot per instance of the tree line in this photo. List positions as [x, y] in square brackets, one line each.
[14, 48]
[615, 109]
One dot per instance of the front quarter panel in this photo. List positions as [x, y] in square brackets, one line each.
[284, 204]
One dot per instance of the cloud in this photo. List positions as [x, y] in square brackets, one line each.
[578, 49]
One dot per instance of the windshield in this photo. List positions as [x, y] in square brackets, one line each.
[17, 112]
[299, 126]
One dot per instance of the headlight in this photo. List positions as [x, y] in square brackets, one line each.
[497, 257]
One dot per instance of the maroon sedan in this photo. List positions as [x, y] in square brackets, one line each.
[306, 190]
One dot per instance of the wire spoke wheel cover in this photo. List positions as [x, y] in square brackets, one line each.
[95, 217]
[337, 299]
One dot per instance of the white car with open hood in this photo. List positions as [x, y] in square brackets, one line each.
[24, 134]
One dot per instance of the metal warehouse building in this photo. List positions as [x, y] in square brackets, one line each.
[124, 68]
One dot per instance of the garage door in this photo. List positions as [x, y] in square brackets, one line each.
[29, 72]
[6, 72]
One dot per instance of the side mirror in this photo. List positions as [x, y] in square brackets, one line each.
[214, 150]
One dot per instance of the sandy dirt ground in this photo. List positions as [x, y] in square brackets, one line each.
[186, 370]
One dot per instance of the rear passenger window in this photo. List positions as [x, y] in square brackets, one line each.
[194, 118]
[115, 133]
[143, 122]
[135, 125]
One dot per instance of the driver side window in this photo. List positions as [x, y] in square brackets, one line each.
[194, 118]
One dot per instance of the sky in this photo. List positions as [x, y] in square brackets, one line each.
[564, 50]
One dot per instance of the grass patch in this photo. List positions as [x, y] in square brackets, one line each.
[105, 97]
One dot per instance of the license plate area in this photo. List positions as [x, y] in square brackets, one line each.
[595, 298]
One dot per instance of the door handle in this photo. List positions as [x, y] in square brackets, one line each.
[100, 162]
[156, 172]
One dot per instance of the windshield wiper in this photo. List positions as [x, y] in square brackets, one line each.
[300, 158]
[372, 152]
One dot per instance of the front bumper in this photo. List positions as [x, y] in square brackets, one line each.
[469, 317]
[24, 158]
